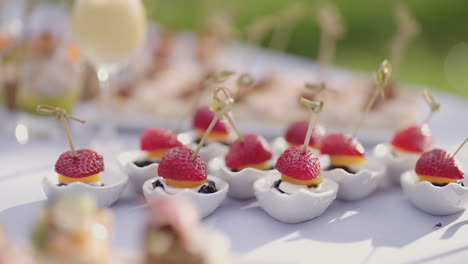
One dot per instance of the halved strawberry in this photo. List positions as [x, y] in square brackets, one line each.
[203, 117]
[438, 166]
[299, 168]
[179, 169]
[343, 149]
[86, 163]
[413, 138]
[254, 151]
[296, 133]
[158, 138]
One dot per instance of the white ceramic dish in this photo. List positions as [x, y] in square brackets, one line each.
[297, 207]
[137, 175]
[450, 199]
[358, 185]
[114, 183]
[396, 165]
[211, 150]
[241, 182]
[205, 202]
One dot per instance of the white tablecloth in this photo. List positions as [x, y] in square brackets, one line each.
[383, 228]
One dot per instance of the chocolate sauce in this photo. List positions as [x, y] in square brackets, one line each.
[64, 184]
[444, 184]
[144, 163]
[209, 187]
[197, 141]
[157, 184]
[267, 169]
[276, 185]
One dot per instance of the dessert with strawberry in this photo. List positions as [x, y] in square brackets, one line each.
[81, 170]
[73, 230]
[407, 144]
[202, 119]
[182, 172]
[436, 185]
[356, 175]
[141, 165]
[296, 133]
[173, 235]
[10, 253]
[298, 192]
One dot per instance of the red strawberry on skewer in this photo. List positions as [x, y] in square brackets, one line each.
[438, 167]
[250, 151]
[296, 133]
[202, 119]
[180, 169]
[413, 139]
[343, 150]
[299, 168]
[85, 167]
[157, 141]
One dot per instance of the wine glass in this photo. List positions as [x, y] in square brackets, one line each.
[108, 32]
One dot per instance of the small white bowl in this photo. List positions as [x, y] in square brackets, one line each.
[241, 182]
[359, 185]
[396, 165]
[450, 199]
[205, 202]
[114, 183]
[296, 207]
[137, 175]
[211, 150]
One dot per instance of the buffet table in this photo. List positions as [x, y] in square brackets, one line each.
[384, 228]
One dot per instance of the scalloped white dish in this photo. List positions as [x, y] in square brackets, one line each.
[137, 175]
[241, 182]
[446, 200]
[358, 185]
[395, 164]
[114, 183]
[205, 202]
[300, 206]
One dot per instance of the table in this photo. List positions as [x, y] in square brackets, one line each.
[384, 228]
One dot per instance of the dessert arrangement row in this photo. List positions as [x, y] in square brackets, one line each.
[294, 180]
[73, 229]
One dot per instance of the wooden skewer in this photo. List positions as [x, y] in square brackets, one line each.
[228, 101]
[382, 76]
[284, 25]
[459, 148]
[316, 107]
[433, 105]
[62, 115]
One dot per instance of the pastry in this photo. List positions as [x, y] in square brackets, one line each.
[437, 183]
[72, 230]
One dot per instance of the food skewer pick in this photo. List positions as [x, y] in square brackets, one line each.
[285, 24]
[228, 96]
[459, 148]
[217, 78]
[63, 116]
[220, 107]
[332, 29]
[382, 76]
[258, 29]
[433, 105]
[316, 107]
[408, 29]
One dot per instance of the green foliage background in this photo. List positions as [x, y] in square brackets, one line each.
[369, 24]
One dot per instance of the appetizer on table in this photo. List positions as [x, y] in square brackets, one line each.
[173, 235]
[436, 185]
[11, 254]
[73, 230]
[182, 172]
[81, 170]
[356, 176]
[141, 165]
[407, 144]
[298, 192]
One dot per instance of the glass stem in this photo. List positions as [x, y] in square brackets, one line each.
[107, 130]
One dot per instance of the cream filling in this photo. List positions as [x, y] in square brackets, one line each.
[175, 190]
[292, 188]
[405, 154]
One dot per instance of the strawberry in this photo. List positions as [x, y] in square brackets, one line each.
[202, 119]
[158, 138]
[296, 133]
[339, 144]
[301, 166]
[253, 150]
[414, 138]
[86, 163]
[177, 164]
[438, 163]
